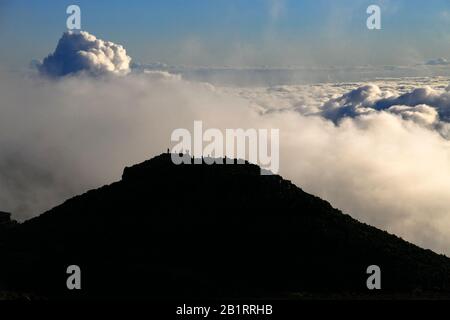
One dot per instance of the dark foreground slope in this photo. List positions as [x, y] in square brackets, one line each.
[167, 231]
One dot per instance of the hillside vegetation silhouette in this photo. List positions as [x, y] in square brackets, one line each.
[170, 231]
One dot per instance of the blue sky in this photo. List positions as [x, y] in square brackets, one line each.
[237, 33]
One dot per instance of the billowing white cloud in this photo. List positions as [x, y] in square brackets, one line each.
[82, 52]
[438, 99]
[353, 103]
[425, 105]
[420, 114]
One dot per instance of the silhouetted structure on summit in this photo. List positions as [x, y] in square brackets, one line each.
[4, 217]
[5, 220]
[242, 235]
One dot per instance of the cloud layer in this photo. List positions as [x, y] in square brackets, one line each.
[379, 151]
[82, 52]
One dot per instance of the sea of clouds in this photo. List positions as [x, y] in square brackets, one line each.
[377, 150]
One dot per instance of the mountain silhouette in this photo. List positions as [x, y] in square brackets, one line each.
[175, 231]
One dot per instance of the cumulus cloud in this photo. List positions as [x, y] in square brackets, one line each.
[82, 52]
[425, 105]
[353, 103]
[438, 99]
[420, 114]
